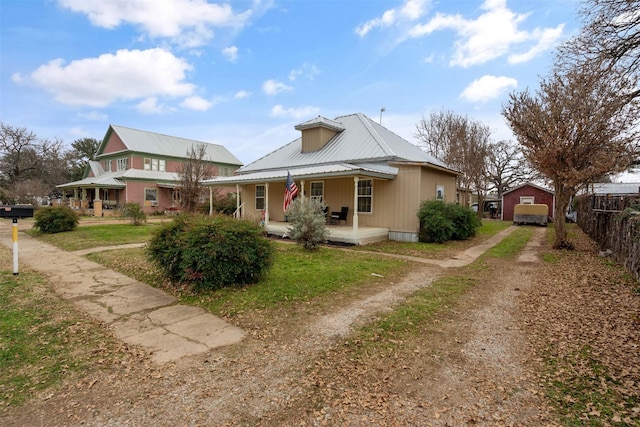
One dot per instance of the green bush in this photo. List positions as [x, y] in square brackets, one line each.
[211, 252]
[440, 222]
[307, 218]
[55, 219]
[134, 213]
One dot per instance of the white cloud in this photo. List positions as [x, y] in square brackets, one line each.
[93, 116]
[308, 71]
[186, 22]
[409, 11]
[294, 113]
[242, 94]
[231, 53]
[196, 103]
[126, 75]
[490, 35]
[274, 87]
[151, 106]
[547, 39]
[487, 87]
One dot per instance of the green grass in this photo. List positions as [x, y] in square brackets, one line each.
[42, 339]
[85, 237]
[417, 311]
[436, 250]
[510, 246]
[296, 276]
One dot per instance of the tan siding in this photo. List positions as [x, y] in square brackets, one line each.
[339, 193]
[316, 138]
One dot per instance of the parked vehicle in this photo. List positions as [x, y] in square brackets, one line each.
[537, 214]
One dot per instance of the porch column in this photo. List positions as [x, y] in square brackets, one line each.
[355, 203]
[83, 202]
[97, 203]
[266, 203]
[74, 205]
[210, 200]
[238, 215]
[302, 189]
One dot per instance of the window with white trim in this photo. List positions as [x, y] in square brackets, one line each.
[365, 196]
[317, 190]
[527, 200]
[155, 164]
[260, 197]
[123, 164]
[151, 197]
[107, 165]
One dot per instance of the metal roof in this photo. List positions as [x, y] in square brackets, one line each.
[361, 141]
[320, 121]
[323, 171]
[616, 188]
[116, 179]
[164, 145]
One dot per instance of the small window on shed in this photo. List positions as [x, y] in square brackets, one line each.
[527, 200]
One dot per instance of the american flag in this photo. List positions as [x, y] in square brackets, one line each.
[290, 191]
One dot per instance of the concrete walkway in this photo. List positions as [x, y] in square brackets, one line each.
[137, 313]
[142, 315]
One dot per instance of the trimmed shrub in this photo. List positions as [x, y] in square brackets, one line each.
[440, 222]
[211, 252]
[134, 213]
[307, 218]
[55, 219]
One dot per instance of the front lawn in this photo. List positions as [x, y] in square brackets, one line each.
[85, 237]
[296, 276]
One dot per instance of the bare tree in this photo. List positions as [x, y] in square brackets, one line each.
[575, 128]
[461, 143]
[29, 164]
[507, 167]
[610, 35]
[192, 172]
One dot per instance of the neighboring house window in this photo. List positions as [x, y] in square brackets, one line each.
[527, 200]
[365, 195]
[151, 197]
[107, 166]
[317, 191]
[260, 194]
[440, 192]
[155, 165]
[123, 164]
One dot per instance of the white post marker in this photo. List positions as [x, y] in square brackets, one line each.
[15, 245]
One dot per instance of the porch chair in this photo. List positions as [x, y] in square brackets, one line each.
[336, 217]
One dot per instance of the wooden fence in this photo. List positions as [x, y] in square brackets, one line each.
[614, 223]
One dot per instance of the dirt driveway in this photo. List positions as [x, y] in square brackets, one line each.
[472, 365]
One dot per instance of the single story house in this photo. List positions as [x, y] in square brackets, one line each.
[527, 193]
[135, 166]
[352, 164]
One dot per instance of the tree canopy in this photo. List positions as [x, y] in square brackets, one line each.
[579, 125]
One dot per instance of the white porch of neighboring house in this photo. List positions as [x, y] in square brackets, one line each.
[337, 233]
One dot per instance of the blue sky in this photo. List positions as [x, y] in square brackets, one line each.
[244, 73]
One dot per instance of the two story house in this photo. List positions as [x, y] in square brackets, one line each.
[135, 166]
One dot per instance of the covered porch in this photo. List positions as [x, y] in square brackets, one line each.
[337, 233]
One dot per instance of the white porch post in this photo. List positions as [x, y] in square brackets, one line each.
[210, 200]
[266, 203]
[238, 201]
[355, 203]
